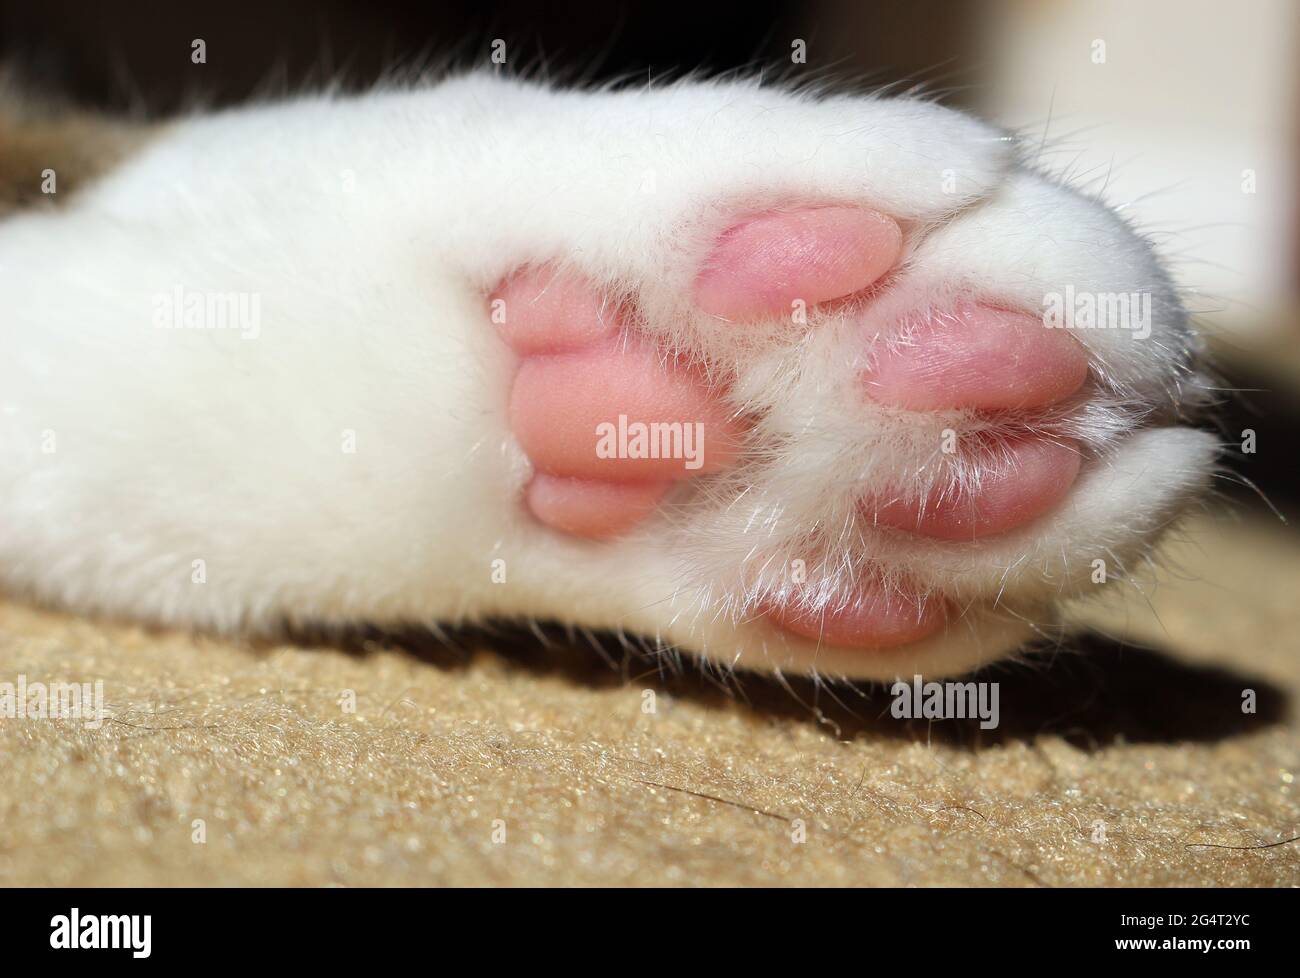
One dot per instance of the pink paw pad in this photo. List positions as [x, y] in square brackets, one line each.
[983, 358]
[608, 423]
[544, 311]
[616, 411]
[592, 508]
[760, 266]
[1028, 479]
[977, 356]
[875, 619]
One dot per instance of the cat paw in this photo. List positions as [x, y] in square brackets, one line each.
[767, 377]
[865, 438]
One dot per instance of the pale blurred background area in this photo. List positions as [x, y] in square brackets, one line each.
[1183, 112]
[1186, 110]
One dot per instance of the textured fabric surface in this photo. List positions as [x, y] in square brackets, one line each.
[510, 763]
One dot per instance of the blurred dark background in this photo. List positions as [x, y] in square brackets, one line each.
[120, 55]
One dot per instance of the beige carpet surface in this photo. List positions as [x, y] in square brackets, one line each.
[223, 763]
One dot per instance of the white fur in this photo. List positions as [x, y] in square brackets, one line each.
[371, 228]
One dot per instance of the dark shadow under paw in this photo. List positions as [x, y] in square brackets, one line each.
[1092, 691]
